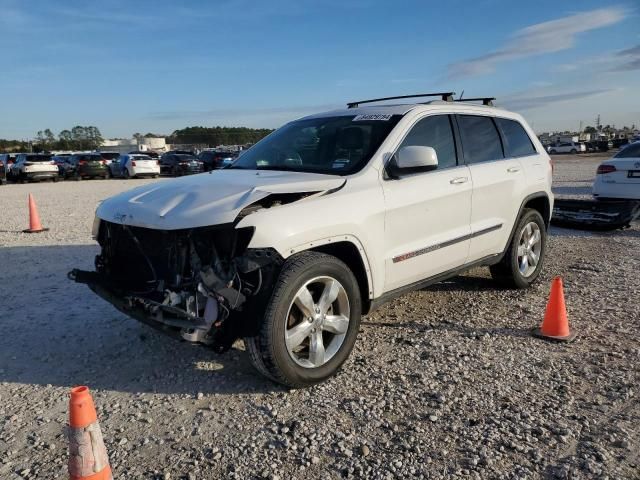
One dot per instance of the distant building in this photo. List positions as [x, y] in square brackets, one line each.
[143, 144]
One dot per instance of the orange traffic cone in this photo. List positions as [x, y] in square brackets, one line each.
[88, 458]
[555, 325]
[34, 219]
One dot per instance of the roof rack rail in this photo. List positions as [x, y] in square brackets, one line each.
[488, 101]
[446, 96]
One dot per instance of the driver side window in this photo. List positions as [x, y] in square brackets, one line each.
[436, 132]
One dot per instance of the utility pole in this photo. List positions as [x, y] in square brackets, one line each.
[598, 122]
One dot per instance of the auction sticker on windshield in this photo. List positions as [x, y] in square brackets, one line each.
[372, 116]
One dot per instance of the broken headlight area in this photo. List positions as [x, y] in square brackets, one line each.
[203, 284]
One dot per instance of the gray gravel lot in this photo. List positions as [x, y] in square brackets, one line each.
[443, 382]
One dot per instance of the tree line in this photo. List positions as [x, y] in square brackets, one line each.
[214, 136]
[78, 138]
[90, 138]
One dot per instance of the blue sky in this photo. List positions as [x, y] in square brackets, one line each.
[155, 66]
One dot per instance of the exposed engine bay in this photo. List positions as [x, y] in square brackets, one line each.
[202, 284]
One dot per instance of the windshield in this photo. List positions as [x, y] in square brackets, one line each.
[330, 145]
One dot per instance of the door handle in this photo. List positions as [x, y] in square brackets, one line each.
[513, 169]
[459, 180]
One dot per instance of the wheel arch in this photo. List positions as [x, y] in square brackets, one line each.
[540, 202]
[350, 251]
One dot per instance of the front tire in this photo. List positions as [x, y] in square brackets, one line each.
[310, 323]
[522, 263]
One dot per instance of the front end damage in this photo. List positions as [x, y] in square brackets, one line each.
[202, 284]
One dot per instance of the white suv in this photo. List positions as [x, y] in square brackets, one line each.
[567, 147]
[322, 221]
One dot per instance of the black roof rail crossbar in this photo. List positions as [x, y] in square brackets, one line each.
[485, 100]
[446, 96]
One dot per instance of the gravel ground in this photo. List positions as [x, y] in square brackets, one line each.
[443, 382]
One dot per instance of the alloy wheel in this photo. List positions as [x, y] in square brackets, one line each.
[317, 322]
[529, 248]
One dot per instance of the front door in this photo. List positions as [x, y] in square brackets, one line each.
[427, 213]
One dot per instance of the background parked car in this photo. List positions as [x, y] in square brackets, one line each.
[135, 165]
[177, 164]
[110, 156]
[85, 165]
[34, 167]
[619, 177]
[212, 159]
[7, 160]
[567, 147]
[60, 161]
[619, 142]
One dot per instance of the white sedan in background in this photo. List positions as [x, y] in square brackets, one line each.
[135, 165]
[619, 177]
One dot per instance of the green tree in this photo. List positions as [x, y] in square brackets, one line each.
[589, 129]
[65, 140]
[94, 137]
[79, 137]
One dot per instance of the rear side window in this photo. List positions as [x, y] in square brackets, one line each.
[517, 142]
[435, 132]
[632, 151]
[480, 139]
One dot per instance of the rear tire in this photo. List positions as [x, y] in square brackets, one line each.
[125, 174]
[573, 151]
[516, 269]
[552, 152]
[327, 338]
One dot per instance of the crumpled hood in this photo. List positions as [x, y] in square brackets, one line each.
[206, 199]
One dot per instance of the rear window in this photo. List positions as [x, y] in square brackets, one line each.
[38, 158]
[109, 155]
[141, 157]
[632, 151]
[480, 139]
[182, 157]
[518, 143]
[90, 158]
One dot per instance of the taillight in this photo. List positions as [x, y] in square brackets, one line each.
[604, 169]
[82, 162]
[104, 162]
[157, 162]
[133, 163]
[552, 164]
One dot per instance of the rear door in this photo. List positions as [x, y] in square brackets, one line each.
[427, 213]
[498, 185]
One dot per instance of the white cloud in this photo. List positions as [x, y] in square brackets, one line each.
[541, 38]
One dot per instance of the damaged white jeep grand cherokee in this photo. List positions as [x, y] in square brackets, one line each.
[322, 221]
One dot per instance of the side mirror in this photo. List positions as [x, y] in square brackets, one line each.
[412, 159]
[417, 157]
